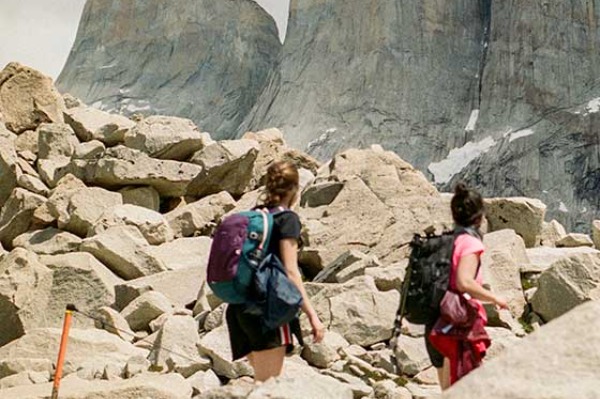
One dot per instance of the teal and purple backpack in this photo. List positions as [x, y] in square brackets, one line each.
[239, 245]
[241, 271]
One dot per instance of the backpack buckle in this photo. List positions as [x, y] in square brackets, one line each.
[253, 235]
[255, 257]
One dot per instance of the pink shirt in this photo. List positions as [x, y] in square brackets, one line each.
[464, 245]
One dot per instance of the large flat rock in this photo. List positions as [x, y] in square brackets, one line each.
[566, 284]
[167, 137]
[356, 310]
[8, 168]
[502, 262]
[523, 215]
[184, 253]
[121, 166]
[181, 286]
[80, 279]
[25, 286]
[16, 214]
[125, 251]
[92, 124]
[155, 386]
[531, 369]
[88, 348]
[55, 140]
[28, 98]
[542, 258]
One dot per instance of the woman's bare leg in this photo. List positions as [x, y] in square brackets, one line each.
[445, 376]
[440, 372]
[267, 363]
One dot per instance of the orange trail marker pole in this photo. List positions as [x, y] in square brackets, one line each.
[63, 349]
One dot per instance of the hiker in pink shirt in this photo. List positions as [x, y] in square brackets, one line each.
[463, 348]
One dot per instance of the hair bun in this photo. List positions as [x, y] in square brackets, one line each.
[467, 205]
[461, 189]
[281, 178]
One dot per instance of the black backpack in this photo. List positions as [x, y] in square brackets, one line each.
[428, 276]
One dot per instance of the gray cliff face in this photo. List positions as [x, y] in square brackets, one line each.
[202, 59]
[560, 165]
[401, 73]
[543, 56]
[539, 110]
[423, 78]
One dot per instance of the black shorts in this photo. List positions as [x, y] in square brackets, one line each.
[246, 334]
[437, 359]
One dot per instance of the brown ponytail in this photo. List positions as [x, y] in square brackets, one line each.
[467, 206]
[282, 178]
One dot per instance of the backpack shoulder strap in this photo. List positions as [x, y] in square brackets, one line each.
[267, 228]
[267, 222]
[279, 210]
[459, 230]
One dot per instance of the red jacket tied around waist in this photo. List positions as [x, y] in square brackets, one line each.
[466, 346]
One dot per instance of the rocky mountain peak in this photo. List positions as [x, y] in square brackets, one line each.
[205, 60]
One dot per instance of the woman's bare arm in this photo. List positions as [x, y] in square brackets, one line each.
[288, 247]
[465, 281]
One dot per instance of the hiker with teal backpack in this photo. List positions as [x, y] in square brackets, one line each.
[253, 266]
[443, 291]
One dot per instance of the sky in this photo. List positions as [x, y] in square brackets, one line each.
[40, 33]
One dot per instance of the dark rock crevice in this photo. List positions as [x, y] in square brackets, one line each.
[486, 20]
